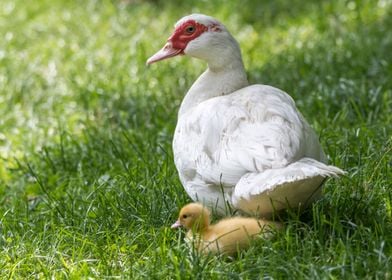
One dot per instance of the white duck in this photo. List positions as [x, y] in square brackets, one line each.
[236, 144]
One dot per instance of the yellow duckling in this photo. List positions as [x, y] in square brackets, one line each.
[227, 236]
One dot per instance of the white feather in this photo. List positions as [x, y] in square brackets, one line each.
[295, 185]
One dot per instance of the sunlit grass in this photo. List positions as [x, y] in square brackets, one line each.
[88, 187]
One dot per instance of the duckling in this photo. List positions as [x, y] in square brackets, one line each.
[228, 236]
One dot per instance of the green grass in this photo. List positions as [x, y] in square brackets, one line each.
[88, 188]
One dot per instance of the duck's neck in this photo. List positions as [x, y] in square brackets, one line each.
[219, 79]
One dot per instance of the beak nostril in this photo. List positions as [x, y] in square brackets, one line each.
[168, 46]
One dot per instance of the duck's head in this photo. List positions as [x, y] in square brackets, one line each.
[193, 216]
[202, 37]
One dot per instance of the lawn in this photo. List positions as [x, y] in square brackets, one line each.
[88, 187]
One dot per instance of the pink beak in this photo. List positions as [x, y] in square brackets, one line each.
[177, 224]
[166, 52]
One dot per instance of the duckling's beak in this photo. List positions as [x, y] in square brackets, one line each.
[177, 224]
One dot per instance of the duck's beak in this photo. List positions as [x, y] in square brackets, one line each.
[167, 51]
[177, 224]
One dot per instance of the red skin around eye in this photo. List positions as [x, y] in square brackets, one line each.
[181, 38]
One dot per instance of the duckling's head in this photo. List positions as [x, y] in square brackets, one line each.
[193, 216]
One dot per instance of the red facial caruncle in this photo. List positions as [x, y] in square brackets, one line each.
[178, 41]
[185, 33]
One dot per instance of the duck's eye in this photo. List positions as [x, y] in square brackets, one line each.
[190, 29]
[184, 216]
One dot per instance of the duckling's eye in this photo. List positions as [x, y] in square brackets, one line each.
[184, 216]
[190, 29]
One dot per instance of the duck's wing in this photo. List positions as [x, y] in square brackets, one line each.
[292, 186]
[254, 129]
